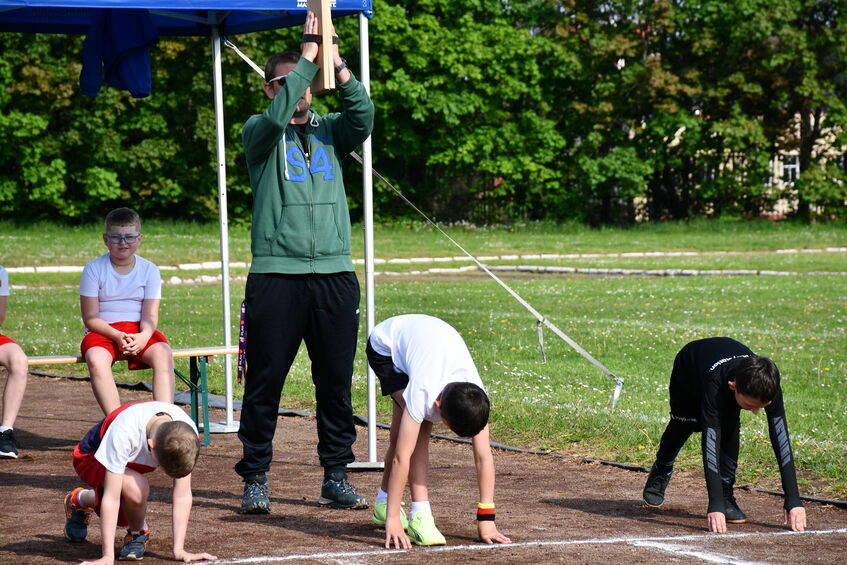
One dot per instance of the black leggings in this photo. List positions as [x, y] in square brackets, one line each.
[677, 433]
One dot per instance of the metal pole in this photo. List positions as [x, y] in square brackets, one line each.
[367, 188]
[229, 425]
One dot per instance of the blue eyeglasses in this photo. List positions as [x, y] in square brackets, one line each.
[116, 238]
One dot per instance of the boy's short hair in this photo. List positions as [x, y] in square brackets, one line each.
[465, 408]
[757, 377]
[122, 217]
[177, 448]
[277, 58]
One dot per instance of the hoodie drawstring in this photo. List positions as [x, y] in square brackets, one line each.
[313, 121]
[285, 155]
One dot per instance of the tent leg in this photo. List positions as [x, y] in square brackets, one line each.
[229, 425]
[367, 187]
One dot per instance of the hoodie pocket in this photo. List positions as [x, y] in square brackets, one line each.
[328, 236]
[307, 230]
[292, 237]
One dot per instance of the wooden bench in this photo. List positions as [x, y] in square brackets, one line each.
[198, 358]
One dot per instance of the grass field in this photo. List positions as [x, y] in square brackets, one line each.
[633, 324]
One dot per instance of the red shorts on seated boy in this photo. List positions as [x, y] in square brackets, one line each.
[134, 363]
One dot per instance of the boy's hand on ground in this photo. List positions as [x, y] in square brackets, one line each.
[489, 534]
[395, 534]
[796, 518]
[187, 557]
[717, 522]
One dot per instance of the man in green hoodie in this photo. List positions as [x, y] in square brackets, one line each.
[302, 285]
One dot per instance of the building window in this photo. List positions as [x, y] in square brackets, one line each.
[790, 169]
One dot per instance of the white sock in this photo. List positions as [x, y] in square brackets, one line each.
[4, 428]
[85, 499]
[381, 496]
[419, 505]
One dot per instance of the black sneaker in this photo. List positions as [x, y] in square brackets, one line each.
[733, 513]
[255, 499]
[654, 489]
[133, 548]
[8, 445]
[336, 492]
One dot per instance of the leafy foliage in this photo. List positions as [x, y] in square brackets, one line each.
[486, 111]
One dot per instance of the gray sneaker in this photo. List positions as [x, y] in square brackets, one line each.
[336, 492]
[255, 499]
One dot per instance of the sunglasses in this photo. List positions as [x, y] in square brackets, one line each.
[280, 79]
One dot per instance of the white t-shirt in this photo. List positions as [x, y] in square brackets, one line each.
[125, 441]
[431, 352]
[4, 282]
[120, 296]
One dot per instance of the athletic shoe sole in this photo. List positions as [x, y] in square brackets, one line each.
[257, 509]
[417, 539]
[330, 503]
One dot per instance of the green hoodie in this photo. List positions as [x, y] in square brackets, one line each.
[301, 223]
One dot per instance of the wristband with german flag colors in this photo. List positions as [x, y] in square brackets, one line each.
[485, 512]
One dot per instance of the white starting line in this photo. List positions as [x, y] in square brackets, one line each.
[664, 543]
[682, 550]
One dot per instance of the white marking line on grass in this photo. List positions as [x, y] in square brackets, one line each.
[681, 550]
[481, 547]
[215, 265]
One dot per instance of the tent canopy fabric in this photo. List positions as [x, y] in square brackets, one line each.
[171, 17]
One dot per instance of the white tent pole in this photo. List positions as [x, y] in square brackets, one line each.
[229, 425]
[367, 188]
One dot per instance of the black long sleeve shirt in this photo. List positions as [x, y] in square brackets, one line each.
[707, 367]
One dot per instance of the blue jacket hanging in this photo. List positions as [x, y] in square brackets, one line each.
[118, 46]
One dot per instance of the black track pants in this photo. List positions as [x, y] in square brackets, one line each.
[281, 311]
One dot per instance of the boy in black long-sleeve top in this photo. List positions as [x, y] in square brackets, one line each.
[714, 379]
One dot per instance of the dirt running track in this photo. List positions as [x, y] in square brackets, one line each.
[554, 510]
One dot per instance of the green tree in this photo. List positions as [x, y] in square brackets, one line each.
[463, 120]
[486, 111]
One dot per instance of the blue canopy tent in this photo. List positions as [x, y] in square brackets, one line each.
[171, 17]
[214, 19]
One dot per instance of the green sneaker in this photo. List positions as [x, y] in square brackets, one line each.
[381, 511]
[422, 530]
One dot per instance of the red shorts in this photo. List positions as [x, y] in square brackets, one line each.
[93, 473]
[4, 340]
[93, 339]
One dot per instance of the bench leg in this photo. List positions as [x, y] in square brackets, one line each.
[192, 390]
[198, 373]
